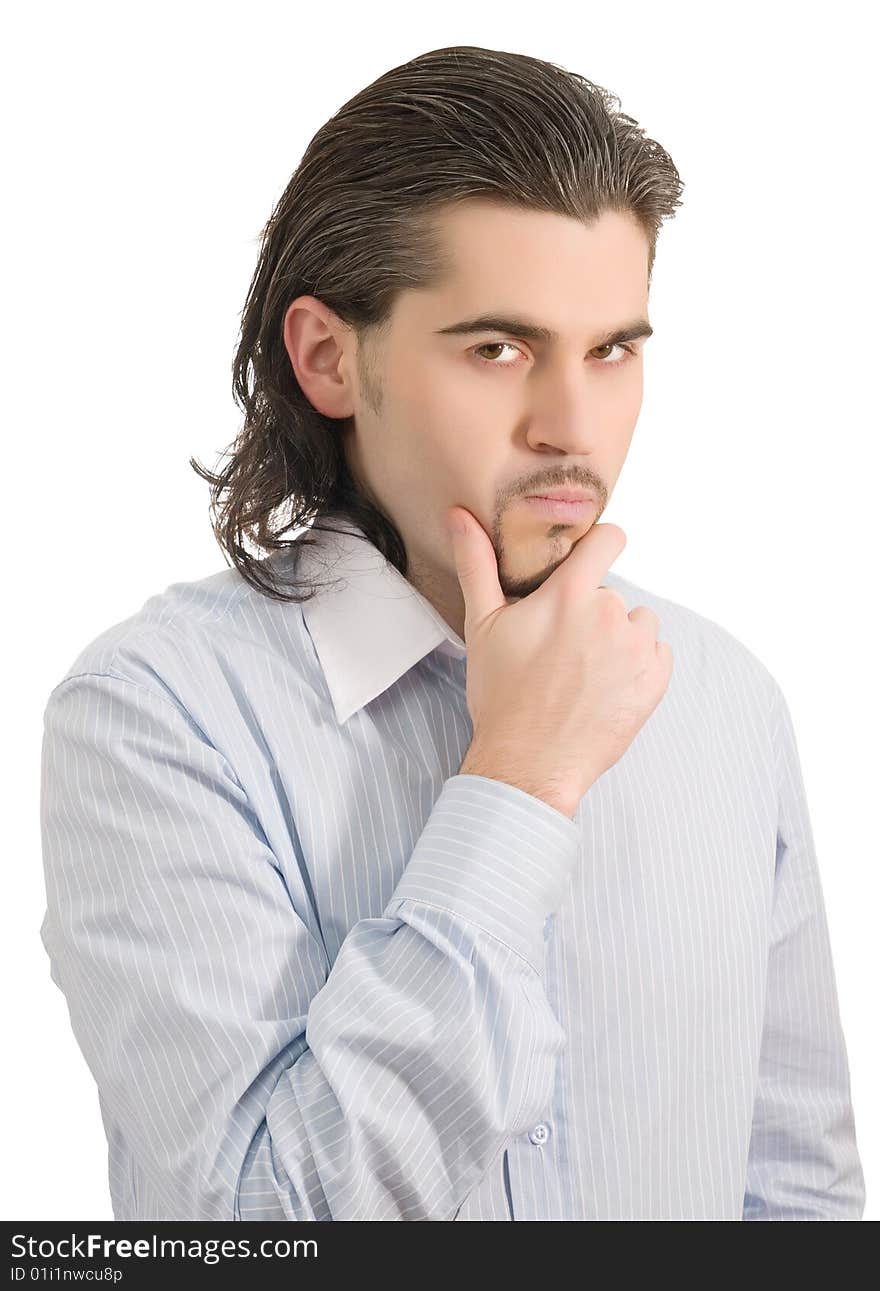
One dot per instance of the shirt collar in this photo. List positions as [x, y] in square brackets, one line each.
[369, 625]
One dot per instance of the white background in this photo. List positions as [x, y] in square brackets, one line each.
[145, 148]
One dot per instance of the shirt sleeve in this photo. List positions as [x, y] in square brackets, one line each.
[803, 1162]
[248, 1078]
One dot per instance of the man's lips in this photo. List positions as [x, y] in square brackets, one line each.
[569, 506]
[564, 495]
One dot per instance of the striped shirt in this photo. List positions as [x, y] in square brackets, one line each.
[316, 973]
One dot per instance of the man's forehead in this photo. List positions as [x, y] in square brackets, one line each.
[500, 263]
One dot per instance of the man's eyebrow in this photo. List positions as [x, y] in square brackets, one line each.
[531, 331]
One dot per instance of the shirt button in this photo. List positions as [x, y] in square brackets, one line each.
[540, 1134]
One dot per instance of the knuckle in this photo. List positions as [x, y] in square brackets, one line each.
[611, 604]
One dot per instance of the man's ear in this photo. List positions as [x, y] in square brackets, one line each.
[319, 346]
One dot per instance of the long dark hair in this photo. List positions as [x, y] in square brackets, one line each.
[355, 226]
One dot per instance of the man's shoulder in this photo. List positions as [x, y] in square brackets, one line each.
[191, 628]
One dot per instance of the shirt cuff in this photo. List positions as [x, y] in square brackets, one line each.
[496, 856]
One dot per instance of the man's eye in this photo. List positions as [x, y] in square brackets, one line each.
[627, 352]
[495, 345]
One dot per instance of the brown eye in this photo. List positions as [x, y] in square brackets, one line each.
[495, 345]
[628, 353]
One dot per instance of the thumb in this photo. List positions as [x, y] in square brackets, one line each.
[476, 566]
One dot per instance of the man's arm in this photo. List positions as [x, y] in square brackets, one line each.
[248, 1077]
[803, 1161]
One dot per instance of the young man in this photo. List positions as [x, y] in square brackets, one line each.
[411, 875]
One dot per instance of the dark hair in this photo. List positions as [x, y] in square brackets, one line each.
[355, 226]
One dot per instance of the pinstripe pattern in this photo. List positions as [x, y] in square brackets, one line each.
[318, 974]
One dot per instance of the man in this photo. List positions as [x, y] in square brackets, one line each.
[449, 891]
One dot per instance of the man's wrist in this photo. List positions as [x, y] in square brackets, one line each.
[475, 763]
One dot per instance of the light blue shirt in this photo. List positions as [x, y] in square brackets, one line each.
[318, 974]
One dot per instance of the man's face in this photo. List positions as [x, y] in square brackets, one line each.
[482, 419]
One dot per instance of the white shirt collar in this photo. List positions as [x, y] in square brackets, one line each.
[372, 625]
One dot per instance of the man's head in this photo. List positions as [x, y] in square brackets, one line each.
[466, 183]
[437, 415]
